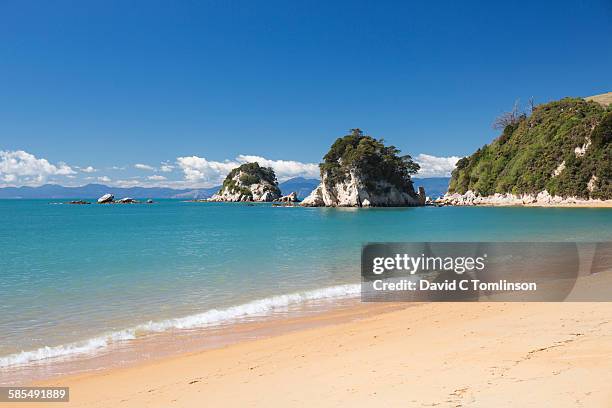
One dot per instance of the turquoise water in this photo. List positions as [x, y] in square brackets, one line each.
[75, 278]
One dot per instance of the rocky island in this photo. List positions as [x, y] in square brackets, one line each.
[360, 171]
[558, 154]
[249, 182]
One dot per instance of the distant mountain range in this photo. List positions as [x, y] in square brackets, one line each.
[300, 185]
[89, 191]
[434, 187]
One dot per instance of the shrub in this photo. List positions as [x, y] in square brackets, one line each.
[602, 134]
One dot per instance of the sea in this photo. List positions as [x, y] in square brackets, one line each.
[77, 281]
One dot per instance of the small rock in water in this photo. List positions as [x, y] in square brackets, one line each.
[290, 198]
[106, 198]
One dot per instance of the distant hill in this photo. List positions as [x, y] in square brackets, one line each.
[602, 99]
[89, 191]
[199, 194]
[434, 186]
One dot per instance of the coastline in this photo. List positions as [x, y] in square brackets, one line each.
[542, 199]
[436, 354]
[586, 204]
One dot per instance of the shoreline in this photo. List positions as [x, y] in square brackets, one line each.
[434, 354]
[603, 204]
[542, 199]
[210, 329]
[448, 354]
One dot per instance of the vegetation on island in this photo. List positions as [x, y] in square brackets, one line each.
[250, 173]
[371, 160]
[562, 147]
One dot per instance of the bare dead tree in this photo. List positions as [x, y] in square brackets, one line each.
[509, 118]
[531, 105]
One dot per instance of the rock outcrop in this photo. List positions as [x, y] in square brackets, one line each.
[289, 198]
[249, 182]
[360, 171]
[106, 198]
[543, 199]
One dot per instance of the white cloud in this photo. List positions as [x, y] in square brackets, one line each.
[284, 169]
[205, 173]
[141, 166]
[198, 169]
[166, 167]
[128, 183]
[210, 173]
[433, 166]
[22, 168]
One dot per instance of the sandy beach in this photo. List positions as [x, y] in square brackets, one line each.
[442, 354]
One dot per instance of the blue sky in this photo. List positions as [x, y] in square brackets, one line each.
[106, 85]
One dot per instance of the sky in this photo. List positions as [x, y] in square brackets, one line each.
[176, 93]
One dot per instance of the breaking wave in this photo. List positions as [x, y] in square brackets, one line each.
[212, 317]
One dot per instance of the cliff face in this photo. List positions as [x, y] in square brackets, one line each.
[359, 171]
[562, 151]
[249, 182]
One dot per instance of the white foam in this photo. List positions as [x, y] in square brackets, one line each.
[260, 307]
[83, 347]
